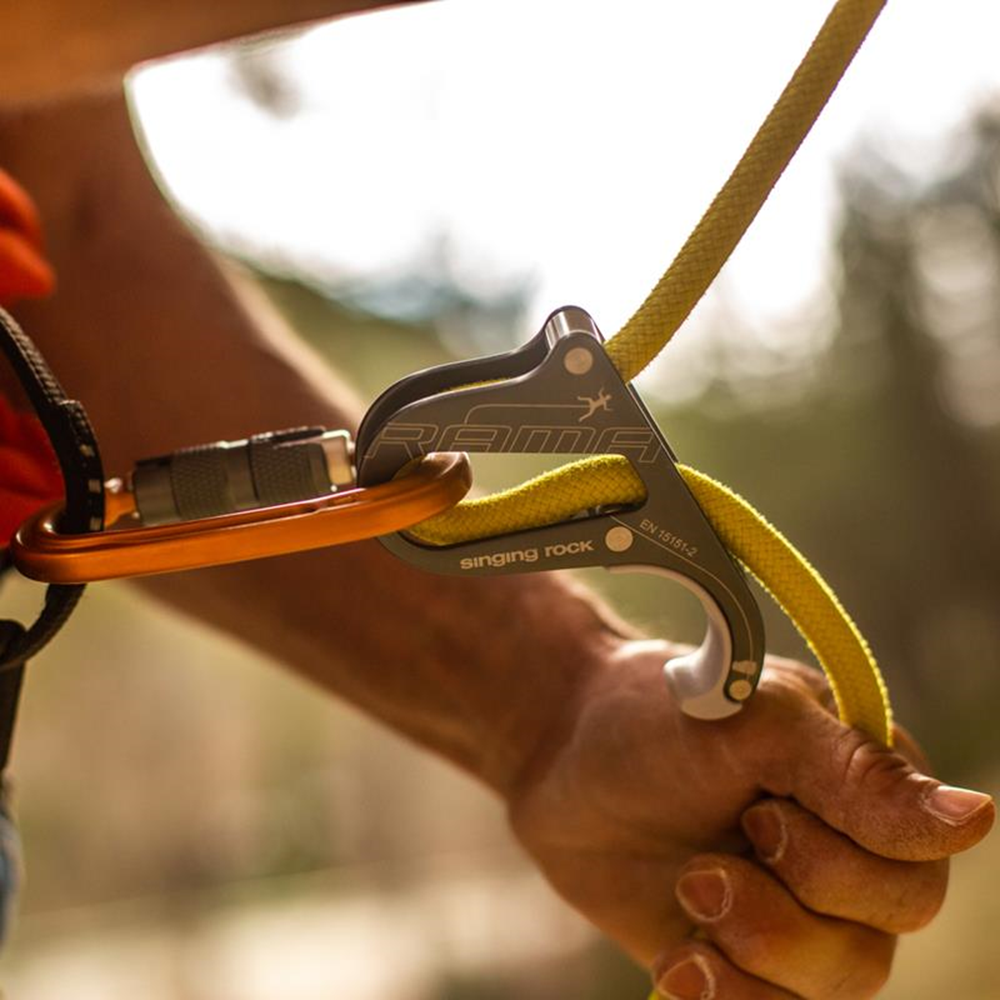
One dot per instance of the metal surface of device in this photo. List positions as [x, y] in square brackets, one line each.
[560, 394]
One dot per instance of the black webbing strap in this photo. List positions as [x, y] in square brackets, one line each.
[72, 438]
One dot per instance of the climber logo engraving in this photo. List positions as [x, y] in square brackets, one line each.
[593, 404]
[498, 560]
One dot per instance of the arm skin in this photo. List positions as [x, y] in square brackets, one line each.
[49, 48]
[797, 847]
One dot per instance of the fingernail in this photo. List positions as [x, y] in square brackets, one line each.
[765, 826]
[954, 805]
[688, 980]
[705, 895]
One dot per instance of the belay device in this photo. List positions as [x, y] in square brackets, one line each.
[560, 394]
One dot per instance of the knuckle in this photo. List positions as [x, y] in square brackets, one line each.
[920, 898]
[848, 961]
[898, 901]
[829, 875]
[763, 948]
[906, 745]
[782, 711]
[800, 676]
[867, 974]
[809, 878]
[866, 764]
[787, 684]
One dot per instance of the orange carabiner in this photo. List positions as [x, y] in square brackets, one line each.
[434, 484]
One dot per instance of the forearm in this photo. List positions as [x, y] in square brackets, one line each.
[147, 331]
[50, 47]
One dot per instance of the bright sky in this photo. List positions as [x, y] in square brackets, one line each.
[572, 142]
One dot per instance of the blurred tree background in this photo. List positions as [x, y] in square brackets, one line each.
[200, 824]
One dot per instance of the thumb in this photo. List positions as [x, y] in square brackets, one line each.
[872, 794]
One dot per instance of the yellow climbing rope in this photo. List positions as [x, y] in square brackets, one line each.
[741, 197]
[610, 479]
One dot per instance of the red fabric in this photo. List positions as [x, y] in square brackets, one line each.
[24, 271]
[29, 473]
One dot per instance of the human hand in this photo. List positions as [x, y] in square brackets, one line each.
[796, 848]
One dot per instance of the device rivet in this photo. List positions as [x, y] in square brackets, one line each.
[619, 539]
[740, 690]
[578, 361]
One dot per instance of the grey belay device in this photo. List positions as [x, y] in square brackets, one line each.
[561, 394]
